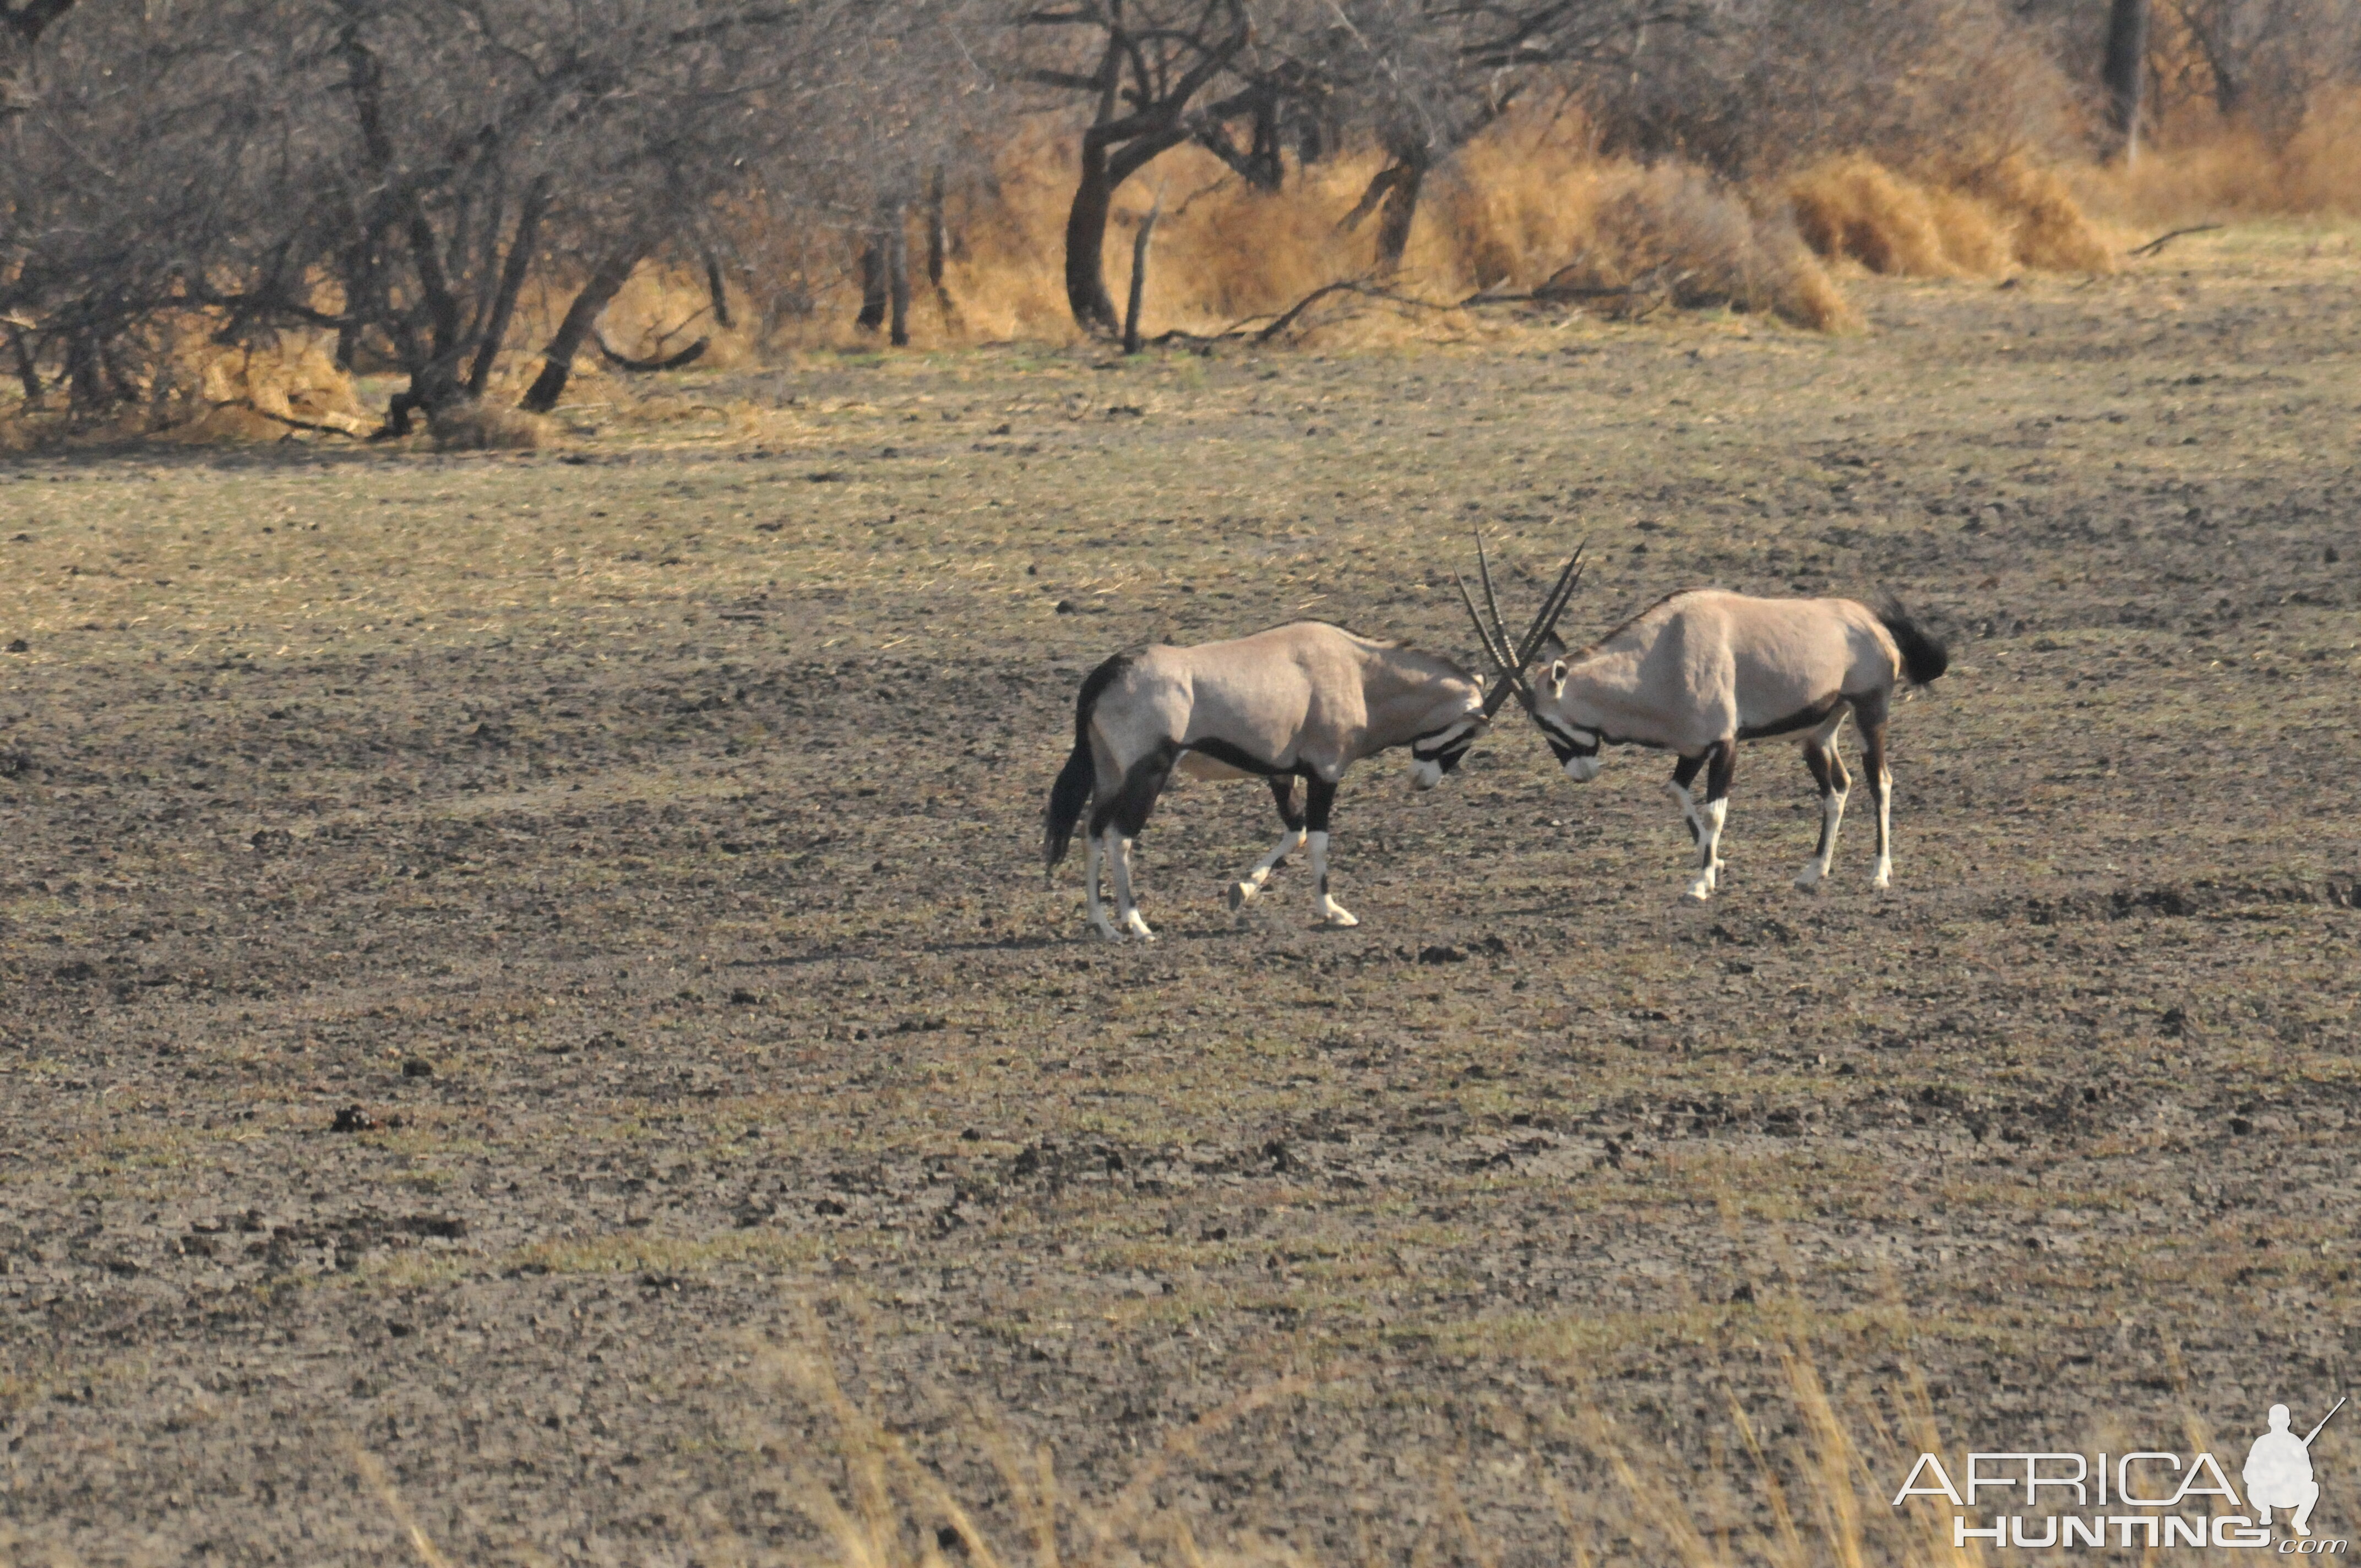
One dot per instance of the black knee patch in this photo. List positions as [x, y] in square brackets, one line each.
[1318, 797]
[1283, 795]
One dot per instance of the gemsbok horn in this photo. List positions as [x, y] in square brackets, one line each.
[1306, 700]
[1702, 670]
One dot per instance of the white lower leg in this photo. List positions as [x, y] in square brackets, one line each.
[1832, 807]
[1099, 921]
[1126, 910]
[1252, 882]
[1688, 808]
[1885, 873]
[1709, 849]
[1331, 912]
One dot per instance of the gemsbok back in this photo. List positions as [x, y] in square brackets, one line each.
[1702, 670]
[1306, 700]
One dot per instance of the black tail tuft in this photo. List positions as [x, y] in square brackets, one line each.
[1924, 657]
[1076, 779]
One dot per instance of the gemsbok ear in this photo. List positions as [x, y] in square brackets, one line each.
[1557, 678]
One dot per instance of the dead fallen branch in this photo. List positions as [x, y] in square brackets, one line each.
[2160, 241]
[250, 406]
[686, 356]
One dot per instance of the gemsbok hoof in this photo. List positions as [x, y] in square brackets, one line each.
[1337, 920]
[1239, 893]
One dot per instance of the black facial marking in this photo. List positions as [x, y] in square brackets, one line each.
[1424, 752]
[1568, 740]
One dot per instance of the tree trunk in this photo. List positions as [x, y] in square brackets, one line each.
[557, 359]
[1401, 207]
[2125, 73]
[512, 275]
[873, 288]
[716, 292]
[28, 373]
[86, 389]
[938, 248]
[898, 277]
[1138, 278]
[1086, 226]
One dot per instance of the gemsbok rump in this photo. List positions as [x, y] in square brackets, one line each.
[1305, 700]
[1702, 670]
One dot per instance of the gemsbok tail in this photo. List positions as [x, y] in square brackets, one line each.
[1924, 657]
[1072, 794]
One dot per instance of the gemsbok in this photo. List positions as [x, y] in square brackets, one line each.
[1306, 700]
[1702, 670]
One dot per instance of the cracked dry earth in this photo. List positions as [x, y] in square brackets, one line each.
[505, 955]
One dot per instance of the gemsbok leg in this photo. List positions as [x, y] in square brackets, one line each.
[1099, 921]
[1318, 797]
[1684, 775]
[1721, 760]
[1127, 908]
[1119, 822]
[1282, 792]
[1829, 772]
[1872, 762]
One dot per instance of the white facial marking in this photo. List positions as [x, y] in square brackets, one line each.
[1425, 775]
[1582, 769]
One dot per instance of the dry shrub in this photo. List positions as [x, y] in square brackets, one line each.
[2046, 226]
[1856, 209]
[2203, 168]
[486, 425]
[1670, 235]
[1513, 211]
[292, 380]
[2012, 213]
[223, 423]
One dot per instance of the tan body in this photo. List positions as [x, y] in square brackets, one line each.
[1705, 666]
[1305, 700]
[1703, 670]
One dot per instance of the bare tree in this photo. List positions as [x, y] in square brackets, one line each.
[22, 23]
[2264, 60]
[2124, 70]
[1151, 71]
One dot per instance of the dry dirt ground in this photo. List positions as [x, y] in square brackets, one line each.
[633, 846]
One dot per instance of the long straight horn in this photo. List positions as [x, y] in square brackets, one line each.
[1492, 603]
[1544, 616]
[1546, 619]
[1507, 680]
[1493, 653]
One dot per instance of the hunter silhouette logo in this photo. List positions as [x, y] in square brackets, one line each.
[2279, 1471]
[2148, 1497]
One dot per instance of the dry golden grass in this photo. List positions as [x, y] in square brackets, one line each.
[1988, 223]
[2202, 169]
[1528, 202]
[486, 425]
[1818, 1498]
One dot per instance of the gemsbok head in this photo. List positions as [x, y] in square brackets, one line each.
[1702, 670]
